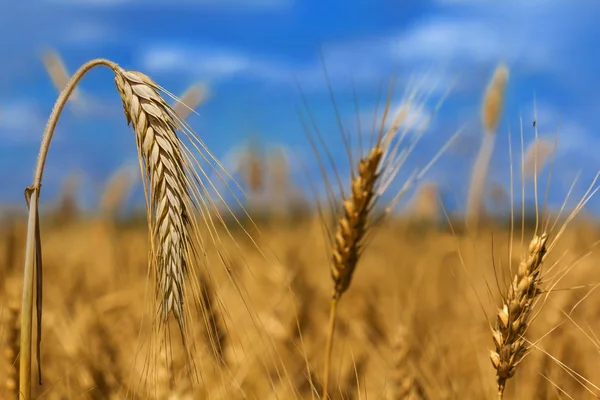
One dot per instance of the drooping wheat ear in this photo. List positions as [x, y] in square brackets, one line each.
[11, 350]
[172, 197]
[154, 126]
[512, 320]
[491, 113]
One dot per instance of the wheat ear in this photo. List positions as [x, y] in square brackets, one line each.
[370, 178]
[348, 240]
[154, 126]
[352, 225]
[513, 318]
[402, 379]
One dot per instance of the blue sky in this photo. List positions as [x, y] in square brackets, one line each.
[252, 55]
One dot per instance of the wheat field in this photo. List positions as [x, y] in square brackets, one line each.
[413, 316]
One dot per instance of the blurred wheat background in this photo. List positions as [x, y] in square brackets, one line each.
[496, 143]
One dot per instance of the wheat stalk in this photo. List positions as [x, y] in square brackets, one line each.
[513, 318]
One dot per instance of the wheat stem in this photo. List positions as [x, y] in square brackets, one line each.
[32, 243]
[329, 345]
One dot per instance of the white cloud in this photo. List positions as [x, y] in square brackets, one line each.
[576, 143]
[452, 43]
[20, 121]
[240, 5]
[360, 63]
[212, 64]
[88, 32]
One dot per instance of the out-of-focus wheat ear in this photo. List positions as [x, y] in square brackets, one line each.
[491, 114]
[425, 205]
[11, 350]
[280, 183]
[513, 317]
[67, 207]
[190, 100]
[58, 72]
[402, 377]
[10, 248]
[165, 185]
[216, 335]
[493, 101]
[537, 155]
[117, 191]
[253, 167]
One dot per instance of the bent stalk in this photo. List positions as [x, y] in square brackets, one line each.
[32, 244]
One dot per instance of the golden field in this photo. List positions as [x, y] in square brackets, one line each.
[351, 302]
[417, 314]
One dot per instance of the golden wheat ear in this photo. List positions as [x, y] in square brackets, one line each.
[528, 282]
[372, 173]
